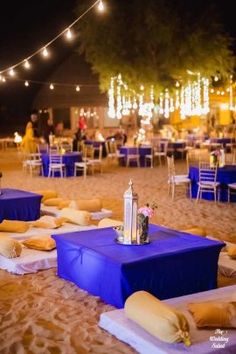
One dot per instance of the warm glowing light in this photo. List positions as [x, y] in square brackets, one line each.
[77, 88]
[218, 92]
[222, 93]
[69, 34]
[216, 78]
[3, 79]
[27, 83]
[51, 87]
[26, 64]
[141, 87]
[101, 6]
[12, 72]
[177, 84]
[17, 138]
[45, 52]
[212, 90]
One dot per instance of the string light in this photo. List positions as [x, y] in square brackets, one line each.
[3, 79]
[26, 64]
[45, 52]
[26, 83]
[51, 87]
[216, 78]
[12, 72]
[101, 6]
[69, 34]
[77, 88]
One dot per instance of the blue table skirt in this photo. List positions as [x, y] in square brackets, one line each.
[68, 159]
[225, 176]
[143, 151]
[19, 205]
[173, 264]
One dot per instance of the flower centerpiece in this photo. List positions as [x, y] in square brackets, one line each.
[217, 158]
[144, 214]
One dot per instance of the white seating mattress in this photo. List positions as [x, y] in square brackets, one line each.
[203, 342]
[98, 215]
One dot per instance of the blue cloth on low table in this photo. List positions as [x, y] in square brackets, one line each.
[225, 175]
[19, 205]
[173, 264]
[68, 159]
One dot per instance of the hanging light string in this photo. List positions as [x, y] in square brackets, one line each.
[43, 50]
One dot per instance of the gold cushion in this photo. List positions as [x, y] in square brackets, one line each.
[91, 205]
[47, 194]
[9, 247]
[214, 314]
[157, 318]
[52, 201]
[42, 243]
[64, 204]
[14, 226]
[106, 222]
[49, 222]
[78, 217]
[232, 251]
[196, 231]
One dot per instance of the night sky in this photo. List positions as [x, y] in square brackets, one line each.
[26, 25]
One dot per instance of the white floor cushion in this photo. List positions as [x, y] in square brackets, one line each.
[203, 341]
[30, 261]
[98, 215]
[227, 265]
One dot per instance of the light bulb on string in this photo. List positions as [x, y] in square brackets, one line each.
[12, 72]
[26, 64]
[77, 88]
[3, 79]
[216, 78]
[45, 53]
[101, 6]
[51, 87]
[69, 34]
[26, 83]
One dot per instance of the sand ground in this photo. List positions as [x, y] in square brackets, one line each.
[44, 314]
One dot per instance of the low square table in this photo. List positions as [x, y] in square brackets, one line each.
[173, 264]
[19, 205]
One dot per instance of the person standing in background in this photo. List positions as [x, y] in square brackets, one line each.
[34, 121]
[48, 130]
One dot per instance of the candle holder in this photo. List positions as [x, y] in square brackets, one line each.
[135, 228]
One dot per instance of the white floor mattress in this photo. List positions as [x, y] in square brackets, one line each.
[203, 341]
[31, 261]
[53, 211]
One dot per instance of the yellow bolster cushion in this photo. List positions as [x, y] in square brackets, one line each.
[42, 243]
[232, 251]
[64, 204]
[106, 222]
[91, 205]
[9, 247]
[47, 194]
[217, 314]
[196, 231]
[53, 202]
[78, 217]
[157, 318]
[49, 222]
[14, 226]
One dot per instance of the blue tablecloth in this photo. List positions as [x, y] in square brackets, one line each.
[222, 141]
[225, 175]
[143, 151]
[19, 205]
[173, 264]
[68, 159]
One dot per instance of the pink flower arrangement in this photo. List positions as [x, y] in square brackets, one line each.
[148, 210]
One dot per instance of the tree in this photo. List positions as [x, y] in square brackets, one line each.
[155, 42]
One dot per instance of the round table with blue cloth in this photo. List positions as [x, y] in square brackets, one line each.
[225, 175]
[69, 159]
[142, 150]
[222, 141]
